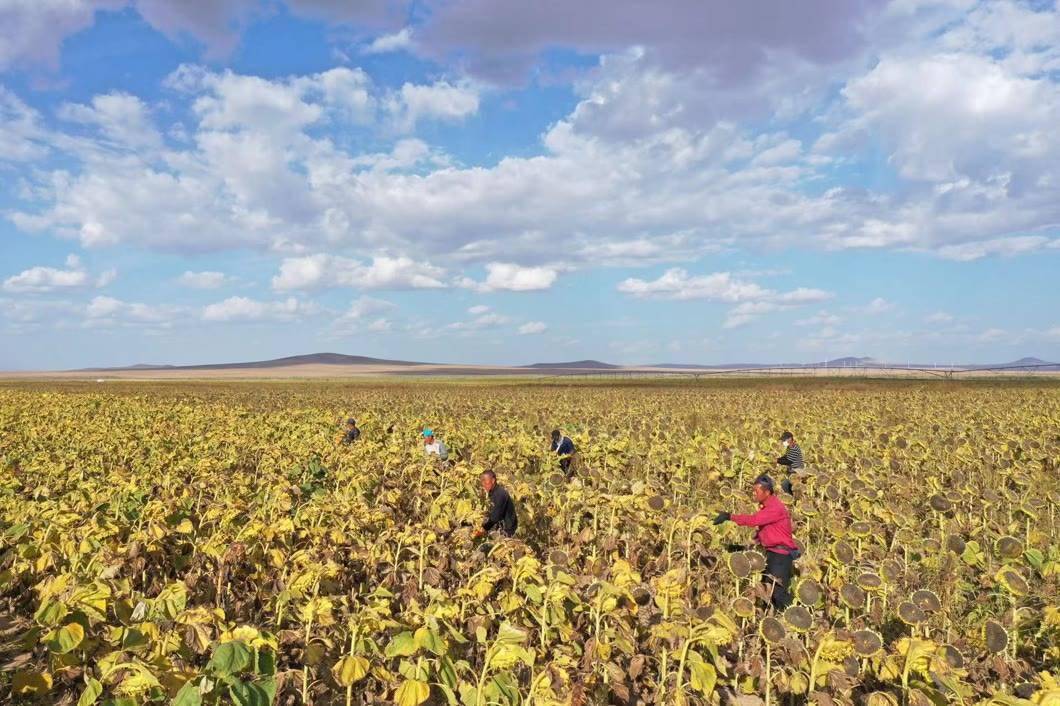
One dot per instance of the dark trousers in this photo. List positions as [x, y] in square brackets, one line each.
[564, 465]
[778, 575]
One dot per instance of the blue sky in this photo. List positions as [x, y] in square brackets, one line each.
[495, 182]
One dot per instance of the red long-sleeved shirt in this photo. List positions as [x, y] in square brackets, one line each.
[774, 526]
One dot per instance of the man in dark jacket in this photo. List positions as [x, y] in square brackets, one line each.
[792, 459]
[563, 447]
[502, 508]
[775, 537]
[352, 432]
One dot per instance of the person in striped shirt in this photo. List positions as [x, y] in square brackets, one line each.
[792, 458]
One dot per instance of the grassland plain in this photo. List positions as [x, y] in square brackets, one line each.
[209, 543]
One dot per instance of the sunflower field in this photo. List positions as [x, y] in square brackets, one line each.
[192, 543]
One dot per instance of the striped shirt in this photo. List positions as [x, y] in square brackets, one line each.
[792, 457]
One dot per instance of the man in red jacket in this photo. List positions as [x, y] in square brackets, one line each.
[774, 535]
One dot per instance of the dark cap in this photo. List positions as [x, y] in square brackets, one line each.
[351, 420]
[765, 481]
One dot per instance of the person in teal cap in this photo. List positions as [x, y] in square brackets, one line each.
[433, 446]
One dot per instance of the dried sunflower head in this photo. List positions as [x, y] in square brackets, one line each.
[866, 643]
[843, 552]
[1008, 547]
[743, 607]
[891, 570]
[869, 581]
[951, 656]
[910, 613]
[771, 630]
[739, 564]
[756, 560]
[955, 543]
[809, 592]
[558, 557]
[995, 636]
[940, 503]
[926, 600]
[657, 503]
[641, 595]
[798, 618]
[881, 698]
[852, 596]
[1013, 582]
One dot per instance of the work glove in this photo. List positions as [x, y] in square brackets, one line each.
[722, 517]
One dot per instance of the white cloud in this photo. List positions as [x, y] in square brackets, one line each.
[203, 280]
[364, 315]
[34, 30]
[122, 119]
[478, 309]
[532, 327]
[245, 309]
[37, 280]
[22, 139]
[676, 283]
[397, 41]
[879, 305]
[507, 276]
[438, 101]
[938, 317]
[108, 311]
[643, 170]
[482, 321]
[1005, 247]
[320, 271]
[821, 318]
[751, 299]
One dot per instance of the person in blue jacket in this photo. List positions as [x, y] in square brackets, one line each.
[563, 447]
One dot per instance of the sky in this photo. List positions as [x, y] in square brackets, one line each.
[492, 181]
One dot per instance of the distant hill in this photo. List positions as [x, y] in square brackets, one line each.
[311, 359]
[574, 365]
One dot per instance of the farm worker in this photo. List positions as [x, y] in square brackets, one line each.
[792, 458]
[564, 448]
[352, 432]
[433, 446]
[502, 507]
[774, 535]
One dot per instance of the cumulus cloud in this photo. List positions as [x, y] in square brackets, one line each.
[532, 327]
[22, 138]
[203, 280]
[939, 317]
[1005, 247]
[507, 276]
[109, 311]
[397, 41]
[441, 101]
[751, 299]
[482, 321]
[637, 173]
[36, 280]
[35, 31]
[821, 318]
[123, 120]
[246, 309]
[879, 305]
[364, 315]
[322, 271]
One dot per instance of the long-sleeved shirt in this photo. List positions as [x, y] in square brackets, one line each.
[774, 526]
[792, 458]
[352, 434]
[564, 446]
[502, 512]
